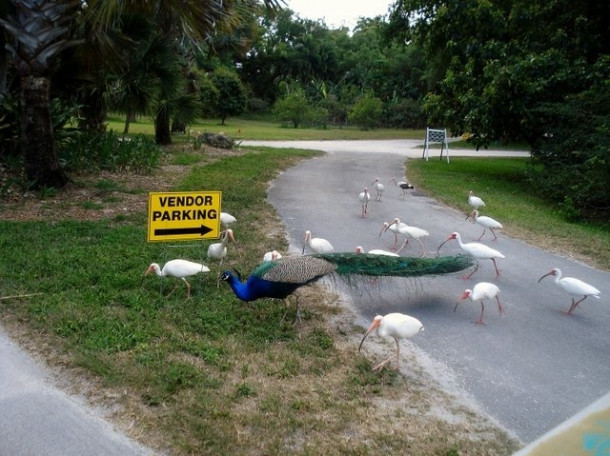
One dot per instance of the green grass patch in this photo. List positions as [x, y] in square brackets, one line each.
[511, 199]
[240, 129]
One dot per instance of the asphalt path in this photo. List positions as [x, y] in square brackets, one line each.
[37, 417]
[529, 369]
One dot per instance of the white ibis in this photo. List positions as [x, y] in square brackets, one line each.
[410, 232]
[359, 249]
[393, 228]
[180, 269]
[218, 250]
[364, 198]
[476, 250]
[396, 325]
[574, 287]
[317, 245]
[272, 255]
[482, 290]
[404, 186]
[486, 222]
[226, 219]
[474, 201]
[379, 188]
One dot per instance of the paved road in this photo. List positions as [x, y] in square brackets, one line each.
[37, 418]
[530, 369]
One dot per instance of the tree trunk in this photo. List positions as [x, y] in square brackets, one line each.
[42, 167]
[130, 115]
[163, 135]
[94, 112]
[178, 126]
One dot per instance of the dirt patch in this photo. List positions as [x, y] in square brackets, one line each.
[98, 195]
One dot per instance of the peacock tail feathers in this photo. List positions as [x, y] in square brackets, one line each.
[305, 268]
[280, 278]
[385, 265]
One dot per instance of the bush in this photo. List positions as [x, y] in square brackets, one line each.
[109, 151]
[404, 113]
[293, 109]
[231, 93]
[574, 153]
[336, 111]
[257, 106]
[366, 113]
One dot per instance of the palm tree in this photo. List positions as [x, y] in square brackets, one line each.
[38, 29]
[176, 21]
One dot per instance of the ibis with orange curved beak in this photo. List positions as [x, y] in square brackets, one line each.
[396, 325]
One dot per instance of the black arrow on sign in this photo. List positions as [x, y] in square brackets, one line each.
[202, 230]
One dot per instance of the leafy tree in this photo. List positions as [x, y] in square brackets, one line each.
[366, 113]
[574, 151]
[525, 71]
[208, 94]
[231, 94]
[293, 108]
[184, 27]
[289, 49]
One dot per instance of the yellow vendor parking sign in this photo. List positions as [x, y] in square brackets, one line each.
[183, 216]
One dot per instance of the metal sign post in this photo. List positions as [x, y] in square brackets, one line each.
[435, 136]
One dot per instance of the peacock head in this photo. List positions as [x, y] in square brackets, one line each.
[227, 276]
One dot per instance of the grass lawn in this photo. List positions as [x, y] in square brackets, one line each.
[503, 184]
[240, 129]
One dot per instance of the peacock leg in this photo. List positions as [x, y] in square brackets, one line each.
[287, 305]
[298, 316]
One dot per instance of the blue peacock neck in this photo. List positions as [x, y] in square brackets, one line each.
[240, 289]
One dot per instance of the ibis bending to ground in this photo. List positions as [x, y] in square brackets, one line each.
[482, 290]
[226, 219]
[364, 198]
[393, 228]
[180, 269]
[474, 201]
[396, 325]
[476, 250]
[410, 232]
[379, 188]
[404, 186]
[574, 287]
[485, 222]
[218, 250]
[317, 245]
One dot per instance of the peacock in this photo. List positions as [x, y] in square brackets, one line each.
[280, 278]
